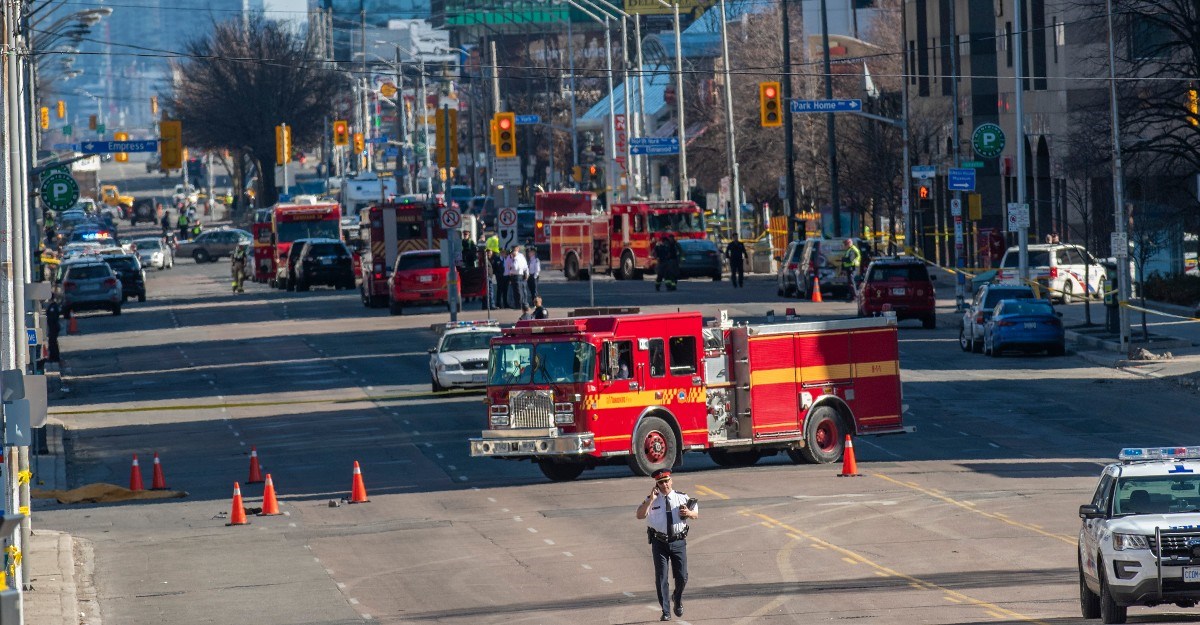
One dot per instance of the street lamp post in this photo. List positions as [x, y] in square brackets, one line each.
[607, 5]
[610, 188]
[681, 126]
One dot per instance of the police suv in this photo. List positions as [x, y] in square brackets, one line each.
[1139, 543]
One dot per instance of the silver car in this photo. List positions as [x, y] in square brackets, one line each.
[154, 252]
[89, 284]
[213, 244]
[975, 318]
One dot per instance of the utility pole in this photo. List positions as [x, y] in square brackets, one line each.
[401, 130]
[1019, 110]
[730, 143]
[684, 187]
[905, 176]
[1119, 216]
[789, 153]
[830, 125]
[454, 236]
[956, 204]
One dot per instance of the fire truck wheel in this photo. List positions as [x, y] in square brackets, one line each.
[571, 267]
[628, 267]
[560, 471]
[654, 447]
[823, 437]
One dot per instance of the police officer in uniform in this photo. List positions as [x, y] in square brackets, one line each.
[736, 253]
[666, 512]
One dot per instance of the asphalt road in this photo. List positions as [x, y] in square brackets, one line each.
[971, 519]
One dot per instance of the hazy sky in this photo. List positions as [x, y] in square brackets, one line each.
[286, 9]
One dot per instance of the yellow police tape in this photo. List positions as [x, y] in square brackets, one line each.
[257, 404]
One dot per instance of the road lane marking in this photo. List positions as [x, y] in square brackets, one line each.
[704, 490]
[914, 581]
[966, 505]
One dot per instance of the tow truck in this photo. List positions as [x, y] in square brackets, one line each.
[643, 389]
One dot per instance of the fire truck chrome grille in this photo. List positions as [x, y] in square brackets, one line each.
[531, 409]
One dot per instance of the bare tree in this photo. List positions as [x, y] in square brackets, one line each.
[241, 81]
[1088, 153]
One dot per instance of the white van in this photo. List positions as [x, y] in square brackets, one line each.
[1069, 271]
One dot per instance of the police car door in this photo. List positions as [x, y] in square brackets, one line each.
[1089, 533]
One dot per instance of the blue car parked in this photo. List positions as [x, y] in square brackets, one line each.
[1028, 325]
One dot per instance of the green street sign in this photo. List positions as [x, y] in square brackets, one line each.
[59, 191]
[67, 130]
[971, 164]
[99, 129]
[988, 140]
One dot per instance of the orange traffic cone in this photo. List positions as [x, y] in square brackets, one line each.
[157, 482]
[237, 516]
[816, 292]
[73, 325]
[849, 466]
[270, 505]
[358, 491]
[255, 471]
[135, 476]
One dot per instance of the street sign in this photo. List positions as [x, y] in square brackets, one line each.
[107, 147]
[59, 191]
[526, 120]
[988, 140]
[960, 179]
[956, 207]
[1018, 216]
[924, 172]
[507, 218]
[1120, 244]
[826, 106]
[66, 130]
[450, 218]
[74, 147]
[972, 164]
[100, 129]
[654, 146]
[508, 237]
[506, 170]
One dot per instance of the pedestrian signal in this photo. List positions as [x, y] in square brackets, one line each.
[923, 190]
[770, 104]
[506, 135]
[44, 117]
[61, 109]
[341, 132]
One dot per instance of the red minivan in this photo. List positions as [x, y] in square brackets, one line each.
[419, 279]
[902, 285]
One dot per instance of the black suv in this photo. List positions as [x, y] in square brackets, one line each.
[129, 269]
[324, 261]
[285, 273]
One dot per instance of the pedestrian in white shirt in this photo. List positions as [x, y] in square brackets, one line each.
[520, 274]
[535, 270]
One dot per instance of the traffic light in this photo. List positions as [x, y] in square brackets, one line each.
[44, 117]
[577, 173]
[341, 132]
[770, 104]
[924, 190]
[443, 136]
[506, 135]
[170, 144]
[121, 157]
[283, 144]
[61, 109]
[360, 143]
[596, 176]
[92, 122]
[1193, 107]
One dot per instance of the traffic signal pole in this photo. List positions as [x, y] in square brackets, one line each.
[830, 129]
[788, 152]
[956, 213]
[730, 142]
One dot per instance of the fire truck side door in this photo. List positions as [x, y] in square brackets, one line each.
[687, 384]
[388, 215]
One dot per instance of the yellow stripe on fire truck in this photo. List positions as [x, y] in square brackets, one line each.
[661, 397]
[789, 375]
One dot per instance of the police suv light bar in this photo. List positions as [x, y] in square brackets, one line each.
[439, 328]
[1132, 454]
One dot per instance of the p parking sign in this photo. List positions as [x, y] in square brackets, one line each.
[988, 140]
[59, 191]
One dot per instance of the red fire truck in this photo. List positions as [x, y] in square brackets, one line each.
[621, 241]
[387, 230]
[571, 394]
[264, 251]
[558, 204]
[290, 222]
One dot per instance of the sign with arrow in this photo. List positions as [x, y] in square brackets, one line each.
[108, 147]
[826, 106]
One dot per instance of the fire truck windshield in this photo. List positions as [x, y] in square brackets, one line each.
[543, 363]
[291, 230]
[676, 222]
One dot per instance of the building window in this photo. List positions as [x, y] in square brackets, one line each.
[1058, 36]
[912, 62]
[1150, 38]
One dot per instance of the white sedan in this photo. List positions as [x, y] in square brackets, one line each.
[460, 359]
[155, 253]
